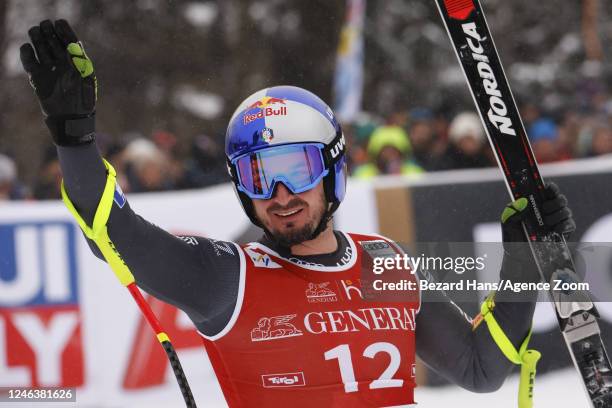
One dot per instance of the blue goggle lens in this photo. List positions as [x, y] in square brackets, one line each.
[300, 167]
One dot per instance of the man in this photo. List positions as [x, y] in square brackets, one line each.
[283, 318]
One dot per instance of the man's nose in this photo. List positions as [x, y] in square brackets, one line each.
[282, 195]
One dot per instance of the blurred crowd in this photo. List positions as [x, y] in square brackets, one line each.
[421, 140]
[408, 142]
[143, 164]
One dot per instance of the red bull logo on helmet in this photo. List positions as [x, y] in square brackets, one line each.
[265, 108]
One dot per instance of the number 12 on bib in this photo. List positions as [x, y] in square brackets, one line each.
[576, 314]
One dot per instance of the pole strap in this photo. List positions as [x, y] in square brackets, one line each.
[527, 359]
[98, 231]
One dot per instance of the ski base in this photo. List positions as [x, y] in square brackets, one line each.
[589, 355]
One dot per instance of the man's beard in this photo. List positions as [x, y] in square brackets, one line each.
[293, 236]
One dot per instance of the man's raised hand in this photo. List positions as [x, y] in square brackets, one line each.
[64, 80]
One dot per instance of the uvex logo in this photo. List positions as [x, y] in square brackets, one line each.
[498, 111]
[338, 147]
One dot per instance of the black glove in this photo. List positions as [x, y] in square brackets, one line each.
[555, 214]
[518, 263]
[64, 80]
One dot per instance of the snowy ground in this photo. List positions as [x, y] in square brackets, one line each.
[560, 390]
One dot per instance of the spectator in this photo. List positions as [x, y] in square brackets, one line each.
[47, 185]
[357, 136]
[569, 131]
[467, 146]
[389, 153]
[545, 142]
[147, 168]
[601, 142]
[10, 188]
[423, 139]
[530, 112]
[206, 166]
[167, 143]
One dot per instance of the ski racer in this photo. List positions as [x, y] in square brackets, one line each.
[283, 319]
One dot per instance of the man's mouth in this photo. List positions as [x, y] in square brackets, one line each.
[287, 213]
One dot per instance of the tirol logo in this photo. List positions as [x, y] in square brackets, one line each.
[272, 328]
[264, 109]
[320, 293]
[283, 380]
[40, 318]
[267, 135]
[498, 112]
[338, 147]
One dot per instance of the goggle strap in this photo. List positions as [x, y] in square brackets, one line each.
[233, 172]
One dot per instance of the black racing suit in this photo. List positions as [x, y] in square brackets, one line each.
[200, 278]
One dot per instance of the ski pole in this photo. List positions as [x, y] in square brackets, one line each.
[164, 340]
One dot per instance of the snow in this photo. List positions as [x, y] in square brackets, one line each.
[203, 104]
[201, 14]
[561, 389]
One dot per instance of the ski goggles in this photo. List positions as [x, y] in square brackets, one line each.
[299, 167]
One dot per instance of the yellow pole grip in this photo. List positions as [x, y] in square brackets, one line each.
[528, 371]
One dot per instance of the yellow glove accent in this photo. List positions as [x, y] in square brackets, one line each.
[527, 359]
[98, 232]
[80, 60]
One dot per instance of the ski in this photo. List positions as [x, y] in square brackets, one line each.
[576, 314]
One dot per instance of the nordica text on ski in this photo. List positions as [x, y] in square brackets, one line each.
[498, 111]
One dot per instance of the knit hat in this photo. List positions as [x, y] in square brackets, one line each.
[394, 136]
[8, 170]
[466, 124]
